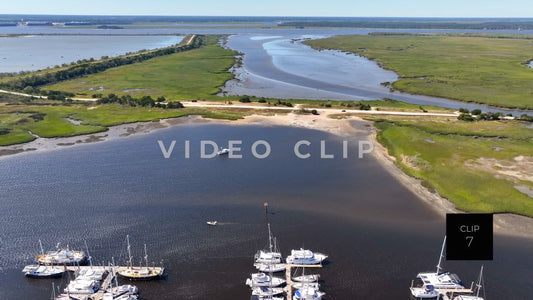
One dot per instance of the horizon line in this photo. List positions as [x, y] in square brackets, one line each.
[260, 16]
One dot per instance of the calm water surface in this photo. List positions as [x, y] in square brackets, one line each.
[377, 234]
[28, 53]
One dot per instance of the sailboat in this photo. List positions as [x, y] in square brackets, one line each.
[141, 272]
[270, 256]
[478, 289]
[269, 261]
[431, 282]
[122, 292]
[40, 271]
[306, 278]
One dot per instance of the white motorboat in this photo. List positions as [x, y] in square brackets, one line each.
[82, 286]
[305, 257]
[212, 223]
[39, 271]
[270, 268]
[307, 278]
[267, 298]
[264, 291]
[261, 279]
[299, 285]
[270, 256]
[62, 256]
[308, 293]
[438, 280]
[123, 289]
[223, 151]
[91, 273]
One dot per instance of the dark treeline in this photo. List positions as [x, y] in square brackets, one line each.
[492, 25]
[90, 67]
[145, 101]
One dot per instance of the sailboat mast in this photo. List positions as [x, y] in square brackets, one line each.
[145, 256]
[269, 238]
[479, 281]
[88, 255]
[441, 255]
[41, 246]
[129, 251]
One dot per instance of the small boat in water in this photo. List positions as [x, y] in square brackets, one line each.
[305, 257]
[141, 272]
[212, 223]
[261, 279]
[223, 151]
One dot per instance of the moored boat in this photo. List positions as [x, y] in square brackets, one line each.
[262, 279]
[270, 268]
[141, 272]
[308, 292]
[425, 292]
[264, 291]
[436, 281]
[43, 271]
[62, 256]
[39, 271]
[270, 256]
[82, 286]
[305, 257]
[478, 290]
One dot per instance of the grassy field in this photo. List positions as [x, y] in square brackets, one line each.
[474, 69]
[186, 75]
[479, 166]
[17, 121]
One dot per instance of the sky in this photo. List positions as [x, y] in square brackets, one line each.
[328, 8]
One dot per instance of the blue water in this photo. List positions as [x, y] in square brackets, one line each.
[375, 237]
[29, 53]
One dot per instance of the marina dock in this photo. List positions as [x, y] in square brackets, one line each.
[288, 275]
[105, 283]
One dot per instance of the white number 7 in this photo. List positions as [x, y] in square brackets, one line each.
[469, 239]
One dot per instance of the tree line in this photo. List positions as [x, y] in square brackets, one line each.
[92, 67]
[145, 101]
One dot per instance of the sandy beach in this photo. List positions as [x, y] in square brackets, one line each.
[508, 224]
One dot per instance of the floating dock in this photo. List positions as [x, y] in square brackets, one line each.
[288, 275]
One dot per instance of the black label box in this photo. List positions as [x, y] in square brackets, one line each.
[469, 236]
